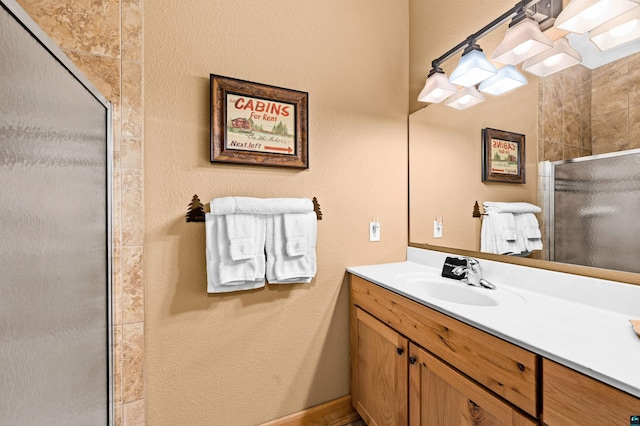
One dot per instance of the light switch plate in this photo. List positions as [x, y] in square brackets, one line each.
[374, 231]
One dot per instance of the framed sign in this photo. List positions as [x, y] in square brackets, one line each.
[258, 124]
[502, 156]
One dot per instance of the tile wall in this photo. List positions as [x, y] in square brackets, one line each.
[104, 39]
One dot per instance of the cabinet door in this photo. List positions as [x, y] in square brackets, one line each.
[573, 399]
[440, 396]
[379, 371]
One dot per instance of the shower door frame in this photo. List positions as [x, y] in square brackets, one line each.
[22, 17]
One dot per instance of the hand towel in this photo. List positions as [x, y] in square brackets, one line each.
[246, 233]
[223, 273]
[296, 231]
[498, 234]
[263, 206]
[528, 231]
[281, 267]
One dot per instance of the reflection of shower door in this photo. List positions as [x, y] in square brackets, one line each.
[55, 171]
[596, 202]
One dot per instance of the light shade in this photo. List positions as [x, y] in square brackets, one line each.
[472, 68]
[505, 80]
[560, 57]
[522, 41]
[618, 31]
[581, 16]
[465, 98]
[438, 88]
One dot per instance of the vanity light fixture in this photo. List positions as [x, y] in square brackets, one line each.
[437, 88]
[581, 16]
[507, 79]
[560, 57]
[473, 67]
[465, 98]
[618, 31]
[522, 40]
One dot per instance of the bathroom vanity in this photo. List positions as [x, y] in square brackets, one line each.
[425, 348]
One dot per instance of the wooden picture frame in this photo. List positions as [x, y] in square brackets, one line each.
[503, 156]
[258, 124]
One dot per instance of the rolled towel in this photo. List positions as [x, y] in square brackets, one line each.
[518, 207]
[262, 206]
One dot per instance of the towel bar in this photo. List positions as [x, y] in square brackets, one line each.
[195, 213]
[476, 210]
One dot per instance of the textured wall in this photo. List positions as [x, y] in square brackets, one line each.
[245, 358]
[104, 40]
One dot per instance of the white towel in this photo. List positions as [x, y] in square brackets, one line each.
[223, 273]
[518, 207]
[281, 267]
[246, 233]
[529, 233]
[296, 232]
[498, 234]
[264, 206]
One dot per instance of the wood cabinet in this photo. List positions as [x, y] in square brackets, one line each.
[413, 365]
[571, 398]
[440, 396]
[378, 372]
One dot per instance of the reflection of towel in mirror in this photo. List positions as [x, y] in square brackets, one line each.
[529, 235]
[518, 207]
[498, 234]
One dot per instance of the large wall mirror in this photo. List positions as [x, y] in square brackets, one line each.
[590, 109]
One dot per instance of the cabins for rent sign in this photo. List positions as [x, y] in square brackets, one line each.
[260, 125]
[504, 157]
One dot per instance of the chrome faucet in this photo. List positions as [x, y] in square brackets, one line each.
[472, 274]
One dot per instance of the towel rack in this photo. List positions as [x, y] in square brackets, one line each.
[195, 213]
[476, 210]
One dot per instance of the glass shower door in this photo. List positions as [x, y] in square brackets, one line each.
[55, 328]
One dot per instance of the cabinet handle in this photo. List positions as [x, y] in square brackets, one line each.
[412, 360]
[400, 351]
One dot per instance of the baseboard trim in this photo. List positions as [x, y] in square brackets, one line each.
[333, 413]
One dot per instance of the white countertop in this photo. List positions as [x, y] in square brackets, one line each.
[580, 322]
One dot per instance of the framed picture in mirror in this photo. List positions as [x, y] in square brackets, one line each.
[502, 156]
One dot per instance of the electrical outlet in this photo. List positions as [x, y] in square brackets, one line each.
[374, 231]
[437, 229]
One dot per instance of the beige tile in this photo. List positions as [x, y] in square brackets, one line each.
[609, 98]
[117, 286]
[132, 30]
[612, 73]
[116, 210]
[132, 208]
[634, 88]
[586, 152]
[553, 122]
[133, 288]
[610, 130]
[132, 362]
[570, 151]
[634, 124]
[117, 365]
[131, 154]
[117, 421]
[134, 414]
[553, 151]
[103, 72]
[552, 91]
[572, 129]
[132, 100]
[82, 25]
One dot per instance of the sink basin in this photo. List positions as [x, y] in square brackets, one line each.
[428, 288]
